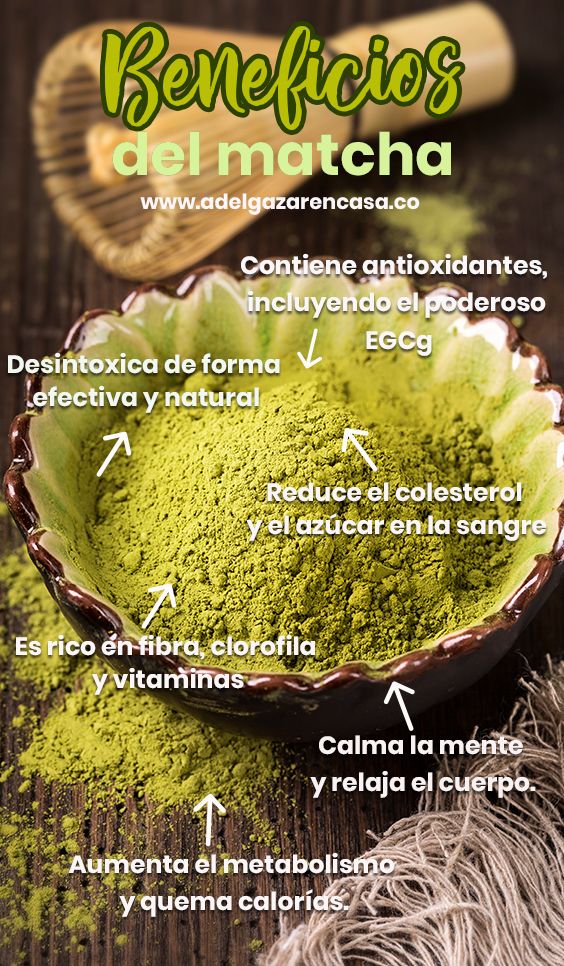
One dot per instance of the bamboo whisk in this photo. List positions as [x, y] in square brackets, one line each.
[75, 139]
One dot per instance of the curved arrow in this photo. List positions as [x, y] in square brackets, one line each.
[395, 689]
[349, 436]
[307, 361]
[210, 802]
[167, 591]
[120, 439]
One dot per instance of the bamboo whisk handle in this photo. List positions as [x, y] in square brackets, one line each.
[486, 50]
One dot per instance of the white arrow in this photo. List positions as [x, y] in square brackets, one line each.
[167, 591]
[349, 436]
[210, 802]
[307, 361]
[119, 439]
[395, 689]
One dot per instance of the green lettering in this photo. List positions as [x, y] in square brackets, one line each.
[132, 56]
[444, 95]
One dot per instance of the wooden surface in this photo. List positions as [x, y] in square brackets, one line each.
[47, 280]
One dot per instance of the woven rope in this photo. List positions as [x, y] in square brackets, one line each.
[477, 882]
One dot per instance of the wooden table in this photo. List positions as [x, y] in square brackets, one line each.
[47, 280]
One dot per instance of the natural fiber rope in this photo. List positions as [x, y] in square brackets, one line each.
[477, 882]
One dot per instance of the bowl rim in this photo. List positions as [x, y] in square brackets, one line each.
[406, 667]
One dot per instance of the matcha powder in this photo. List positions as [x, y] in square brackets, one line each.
[117, 741]
[112, 749]
[176, 512]
[444, 222]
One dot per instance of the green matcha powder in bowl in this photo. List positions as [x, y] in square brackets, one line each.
[427, 610]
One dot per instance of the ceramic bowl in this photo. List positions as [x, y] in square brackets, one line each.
[522, 410]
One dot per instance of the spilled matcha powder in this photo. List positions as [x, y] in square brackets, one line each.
[107, 751]
[176, 512]
[444, 222]
[119, 741]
